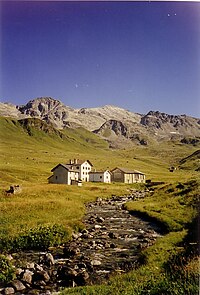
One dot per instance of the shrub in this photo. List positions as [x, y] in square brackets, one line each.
[41, 237]
[6, 270]
[37, 238]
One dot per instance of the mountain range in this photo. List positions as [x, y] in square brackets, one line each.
[116, 125]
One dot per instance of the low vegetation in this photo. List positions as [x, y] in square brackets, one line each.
[44, 214]
[170, 266]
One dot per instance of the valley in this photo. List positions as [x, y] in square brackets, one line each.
[31, 147]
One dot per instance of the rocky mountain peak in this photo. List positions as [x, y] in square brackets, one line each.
[116, 126]
[110, 122]
[39, 106]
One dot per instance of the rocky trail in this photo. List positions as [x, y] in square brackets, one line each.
[110, 244]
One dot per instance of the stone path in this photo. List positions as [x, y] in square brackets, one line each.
[110, 243]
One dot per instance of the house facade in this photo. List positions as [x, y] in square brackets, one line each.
[64, 174]
[82, 166]
[127, 176]
[100, 176]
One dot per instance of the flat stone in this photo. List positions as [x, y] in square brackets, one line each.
[27, 277]
[9, 290]
[30, 265]
[95, 262]
[18, 285]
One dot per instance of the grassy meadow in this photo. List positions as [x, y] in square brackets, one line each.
[27, 155]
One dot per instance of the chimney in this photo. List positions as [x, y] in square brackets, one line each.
[75, 161]
[70, 161]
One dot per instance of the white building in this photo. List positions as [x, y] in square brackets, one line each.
[100, 176]
[82, 166]
[64, 174]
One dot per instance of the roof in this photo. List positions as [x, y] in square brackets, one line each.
[67, 167]
[128, 171]
[99, 172]
[80, 162]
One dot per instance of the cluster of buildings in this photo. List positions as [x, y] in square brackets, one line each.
[78, 171]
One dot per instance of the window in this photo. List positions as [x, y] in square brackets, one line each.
[100, 177]
[77, 167]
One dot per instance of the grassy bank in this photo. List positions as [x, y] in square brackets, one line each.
[170, 266]
[48, 205]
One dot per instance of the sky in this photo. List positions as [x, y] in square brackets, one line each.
[140, 56]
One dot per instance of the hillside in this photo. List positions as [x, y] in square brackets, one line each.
[191, 162]
[119, 127]
[30, 148]
[46, 214]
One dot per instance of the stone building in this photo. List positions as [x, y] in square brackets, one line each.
[127, 176]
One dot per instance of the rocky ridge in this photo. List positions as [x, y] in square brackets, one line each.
[114, 124]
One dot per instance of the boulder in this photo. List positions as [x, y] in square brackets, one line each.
[18, 285]
[81, 278]
[95, 262]
[41, 276]
[9, 291]
[27, 277]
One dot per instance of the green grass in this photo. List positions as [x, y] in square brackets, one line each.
[49, 204]
[170, 266]
[27, 156]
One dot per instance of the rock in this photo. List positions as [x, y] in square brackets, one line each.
[19, 271]
[112, 235]
[112, 245]
[40, 284]
[82, 277]
[38, 267]
[100, 219]
[84, 231]
[99, 199]
[67, 275]
[71, 251]
[14, 189]
[82, 265]
[95, 262]
[48, 259]
[75, 236]
[9, 257]
[41, 276]
[30, 265]
[27, 277]
[9, 290]
[93, 254]
[18, 285]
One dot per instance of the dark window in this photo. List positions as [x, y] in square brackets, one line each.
[100, 177]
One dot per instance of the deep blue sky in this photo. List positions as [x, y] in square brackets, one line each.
[137, 55]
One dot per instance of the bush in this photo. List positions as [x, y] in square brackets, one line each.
[39, 238]
[6, 270]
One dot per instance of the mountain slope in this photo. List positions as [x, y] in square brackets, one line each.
[118, 126]
[191, 162]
